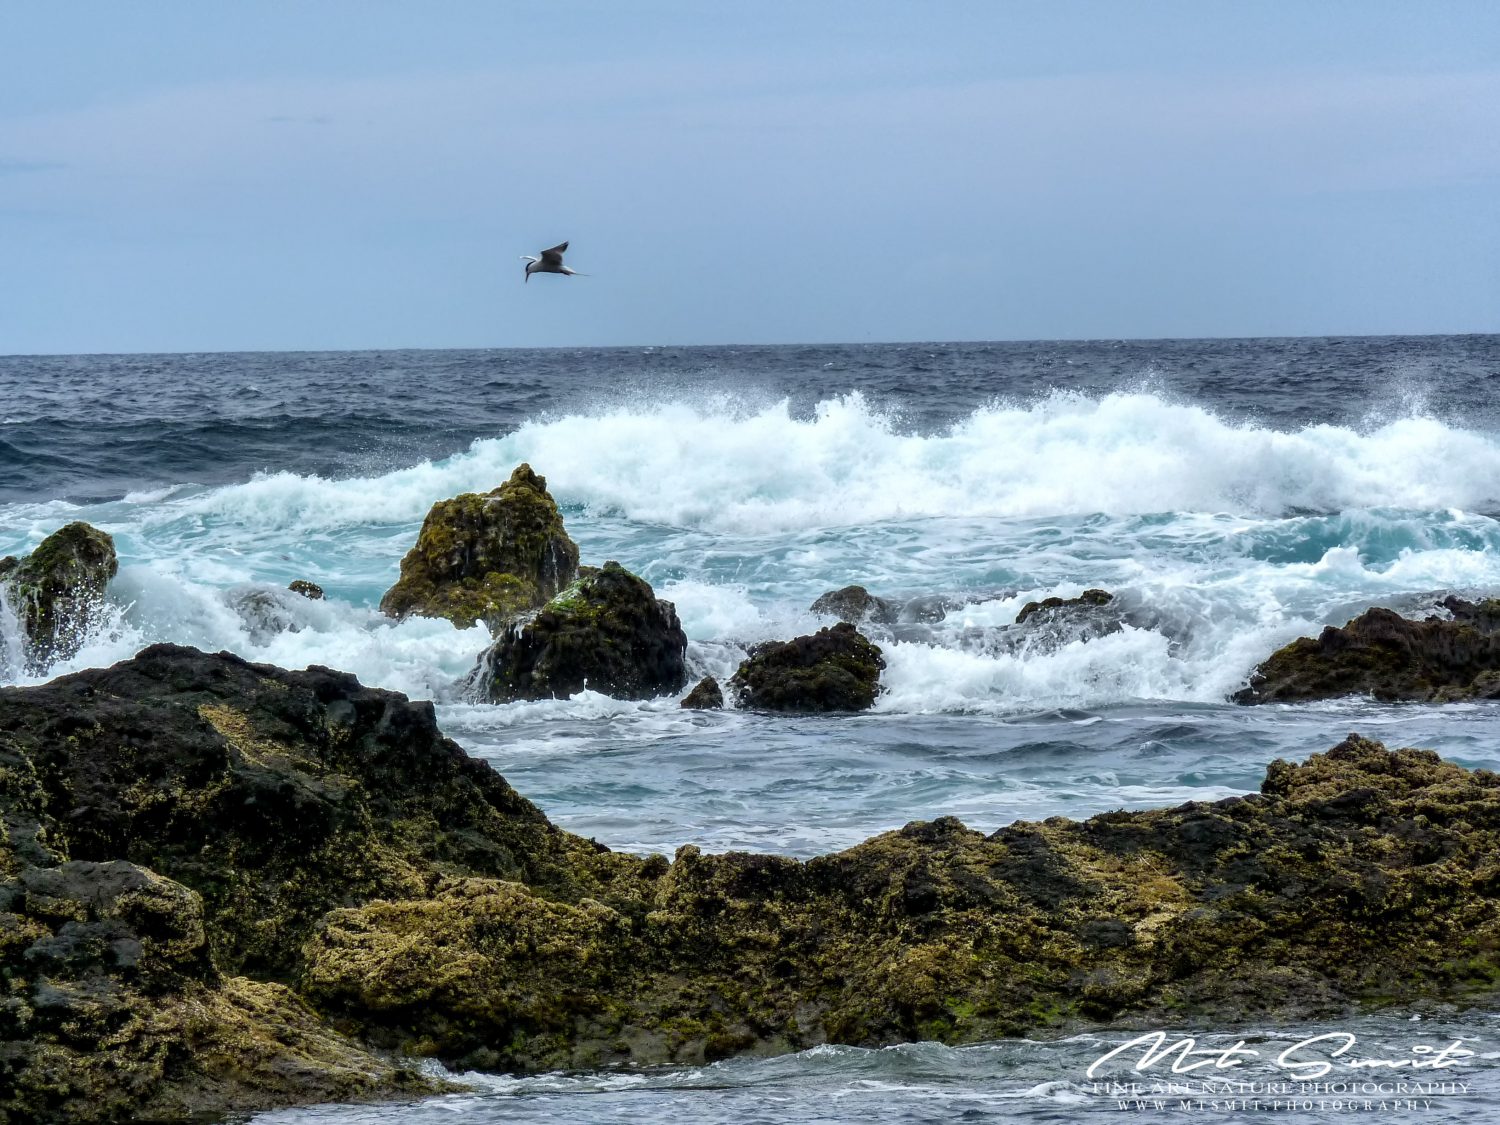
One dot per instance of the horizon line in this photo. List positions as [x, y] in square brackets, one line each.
[782, 344]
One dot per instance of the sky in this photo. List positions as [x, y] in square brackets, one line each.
[330, 175]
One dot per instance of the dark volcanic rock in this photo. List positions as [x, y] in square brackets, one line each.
[835, 669]
[486, 557]
[607, 631]
[1389, 657]
[707, 696]
[1055, 608]
[1363, 873]
[306, 589]
[194, 846]
[57, 591]
[855, 605]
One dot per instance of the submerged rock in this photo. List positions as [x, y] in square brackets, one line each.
[1387, 656]
[1052, 609]
[1054, 622]
[608, 631]
[196, 849]
[835, 669]
[855, 605]
[57, 591]
[486, 557]
[706, 696]
[265, 611]
[307, 589]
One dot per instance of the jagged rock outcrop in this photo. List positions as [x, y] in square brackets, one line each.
[310, 590]
[608, 631]
[835, 669]
[857, 605]
[486, 557]
[57, 591]
[207, 865]
[1390, 657]
[707, 695]
[1362, 873]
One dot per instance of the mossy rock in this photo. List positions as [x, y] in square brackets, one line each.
[834, 669]
[608, 631]
[208, 866]
[57, 591]
[1363, 873]
[486, 557]
[1389, 657]
[706, 696]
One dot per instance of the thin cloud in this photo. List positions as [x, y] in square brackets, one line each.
[12, 166]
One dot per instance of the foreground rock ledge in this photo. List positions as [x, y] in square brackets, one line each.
[228, 886]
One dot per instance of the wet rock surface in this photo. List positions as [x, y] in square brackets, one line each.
[1093, 613]
[1389, 657]
[707, 695]
[834, 669]
[486, 557]
[310, 590]
[57, 591]
[208, 866]
[608, 631]
[856, 605]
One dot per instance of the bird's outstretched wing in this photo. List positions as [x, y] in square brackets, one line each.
[553, 257]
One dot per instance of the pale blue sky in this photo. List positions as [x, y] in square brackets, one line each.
[286, 175]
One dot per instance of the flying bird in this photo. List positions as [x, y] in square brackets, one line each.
[549, 262]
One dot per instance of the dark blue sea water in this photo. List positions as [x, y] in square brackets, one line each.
[1233, 494]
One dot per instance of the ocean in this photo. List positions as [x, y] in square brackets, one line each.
[1233, 495]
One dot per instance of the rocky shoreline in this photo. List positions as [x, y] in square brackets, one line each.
[230, 886]
[226, 886]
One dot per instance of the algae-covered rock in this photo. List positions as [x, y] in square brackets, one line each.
[57, 592]
[1363, 873]
[114, 1009]
[175, 828]
[207, 866]
[608, 631]
[707, 695]
[1387, 656]
[310, 590]
[856, 605]
[835, 669]
[486, 557]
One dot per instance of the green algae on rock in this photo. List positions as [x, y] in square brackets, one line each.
[706, 695]
[608, 631]
[486, 557]
[228, 886]
[1362, 874]
[835, 669]
[1390, 657]
[57, 591]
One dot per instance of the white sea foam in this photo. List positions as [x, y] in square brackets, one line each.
[742, 515]
[768, 471]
